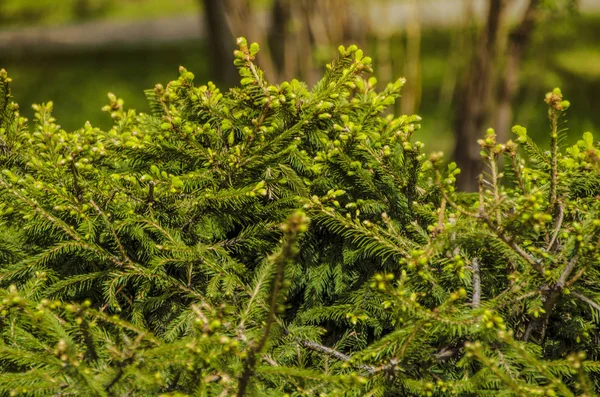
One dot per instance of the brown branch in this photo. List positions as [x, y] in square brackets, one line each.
[110, 198]
[151, 192]
[536, 263]
[78, 191]
[90, 352]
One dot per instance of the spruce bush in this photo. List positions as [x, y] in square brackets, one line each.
[276, 240]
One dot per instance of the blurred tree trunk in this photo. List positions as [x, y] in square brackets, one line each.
[281, 15]
[219, 41]
[411, 99]
[475, 98]
[519, 40]
[82, 9]
[298, 29]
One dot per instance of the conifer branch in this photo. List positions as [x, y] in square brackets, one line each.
[536, 263]
[533, 261]
[296, 224]
[552, 295]
[36, 207]
[517, 171]
[110, 198]
[576, 277]
[108, 224]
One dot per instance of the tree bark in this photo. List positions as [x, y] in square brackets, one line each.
[475, 102]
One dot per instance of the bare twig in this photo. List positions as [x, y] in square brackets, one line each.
[334, 353]
[270, 361]
[586, 300]
[440, 224]
[392, 365]
[576, 277]
[567, 272]
[494, 169]
[557, 226]
[476, 282]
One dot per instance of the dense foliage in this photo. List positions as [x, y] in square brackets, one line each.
[275, 240]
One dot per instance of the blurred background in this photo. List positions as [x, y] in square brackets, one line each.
[470, 64]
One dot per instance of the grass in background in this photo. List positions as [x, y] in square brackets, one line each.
[23, 13]
[130, 10]
[77, 83]
[565, 56]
